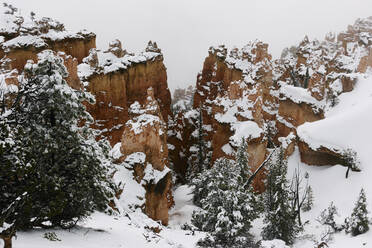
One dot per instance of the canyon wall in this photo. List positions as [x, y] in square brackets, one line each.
[118, 82]
[243, 93]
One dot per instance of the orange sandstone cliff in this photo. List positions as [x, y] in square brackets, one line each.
[118, 79]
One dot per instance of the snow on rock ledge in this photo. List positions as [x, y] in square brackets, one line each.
[145, 151]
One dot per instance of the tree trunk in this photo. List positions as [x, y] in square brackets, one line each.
[347, 172]
[7, 242]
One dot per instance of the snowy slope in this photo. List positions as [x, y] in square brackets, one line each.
[129, 229]
[348, 125]
[101, 230]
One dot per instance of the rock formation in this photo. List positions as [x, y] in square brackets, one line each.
[118, 82]
[117, 78]
[244, 91]
[231, 94]
[146, 133]
[23, 37]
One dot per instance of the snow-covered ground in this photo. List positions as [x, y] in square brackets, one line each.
[347, 125]
[101, 230]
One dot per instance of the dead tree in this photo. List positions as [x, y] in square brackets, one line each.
[298, 199]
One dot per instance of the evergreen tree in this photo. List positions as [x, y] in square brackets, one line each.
[309, 201]
[228, 209]
[56, 173]
[279, 218]
[327, 217]
[241, 159]
[306, 79]
[201, 161]
[200, 182]
[358, 222]
[201, 143]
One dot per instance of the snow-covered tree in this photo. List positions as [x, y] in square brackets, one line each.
[56, 170]
[327, 217]
[358, 223]
[279, 217]
[202, 150]
[241, 159]
[299, 194]
[227, 208]
[309, 201]
[350, 160]
[200, 162]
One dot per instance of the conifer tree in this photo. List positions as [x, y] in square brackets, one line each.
[327, 217]
[201, 161]
[358, 223]
[279, 219]
[309, 201]
[227, 208]
[306, 79]
[201, 143]
[56, 170]
[241, 159]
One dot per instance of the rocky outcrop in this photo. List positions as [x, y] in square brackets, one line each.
[118, 82]
[23, 37]
[296, 106]
[319, 156]
[146, 133]
[230, 95]
[244, 91]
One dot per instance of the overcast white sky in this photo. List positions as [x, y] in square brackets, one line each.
[185, 29]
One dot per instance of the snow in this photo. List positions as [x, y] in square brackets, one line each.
[6, 88]
[299, 95]
[7, 21]
[24, 41]
[227, 149]
[61, 35]
[183, 208]
[109, 62]
[276, 243]
[105, 231]
[137, 124]
[154, 176]
[130, 229]
[351, 117]
[348, 124]
[245, 129]
[286, 141]
[26, 31]
[115, 152]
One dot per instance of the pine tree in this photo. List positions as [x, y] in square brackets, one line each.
[279, 219]
[327, 217]
[201, 162]
[306, 79]
[228, 209]
[52, 161]
[241, 159]
[201, 143]
[358, 223]
[309, 201]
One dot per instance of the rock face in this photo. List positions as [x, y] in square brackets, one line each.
[118, 79]
[118, 82]
[146, 132]
[23, 37]
[319, 156]
[230, 95]
[243, 91]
